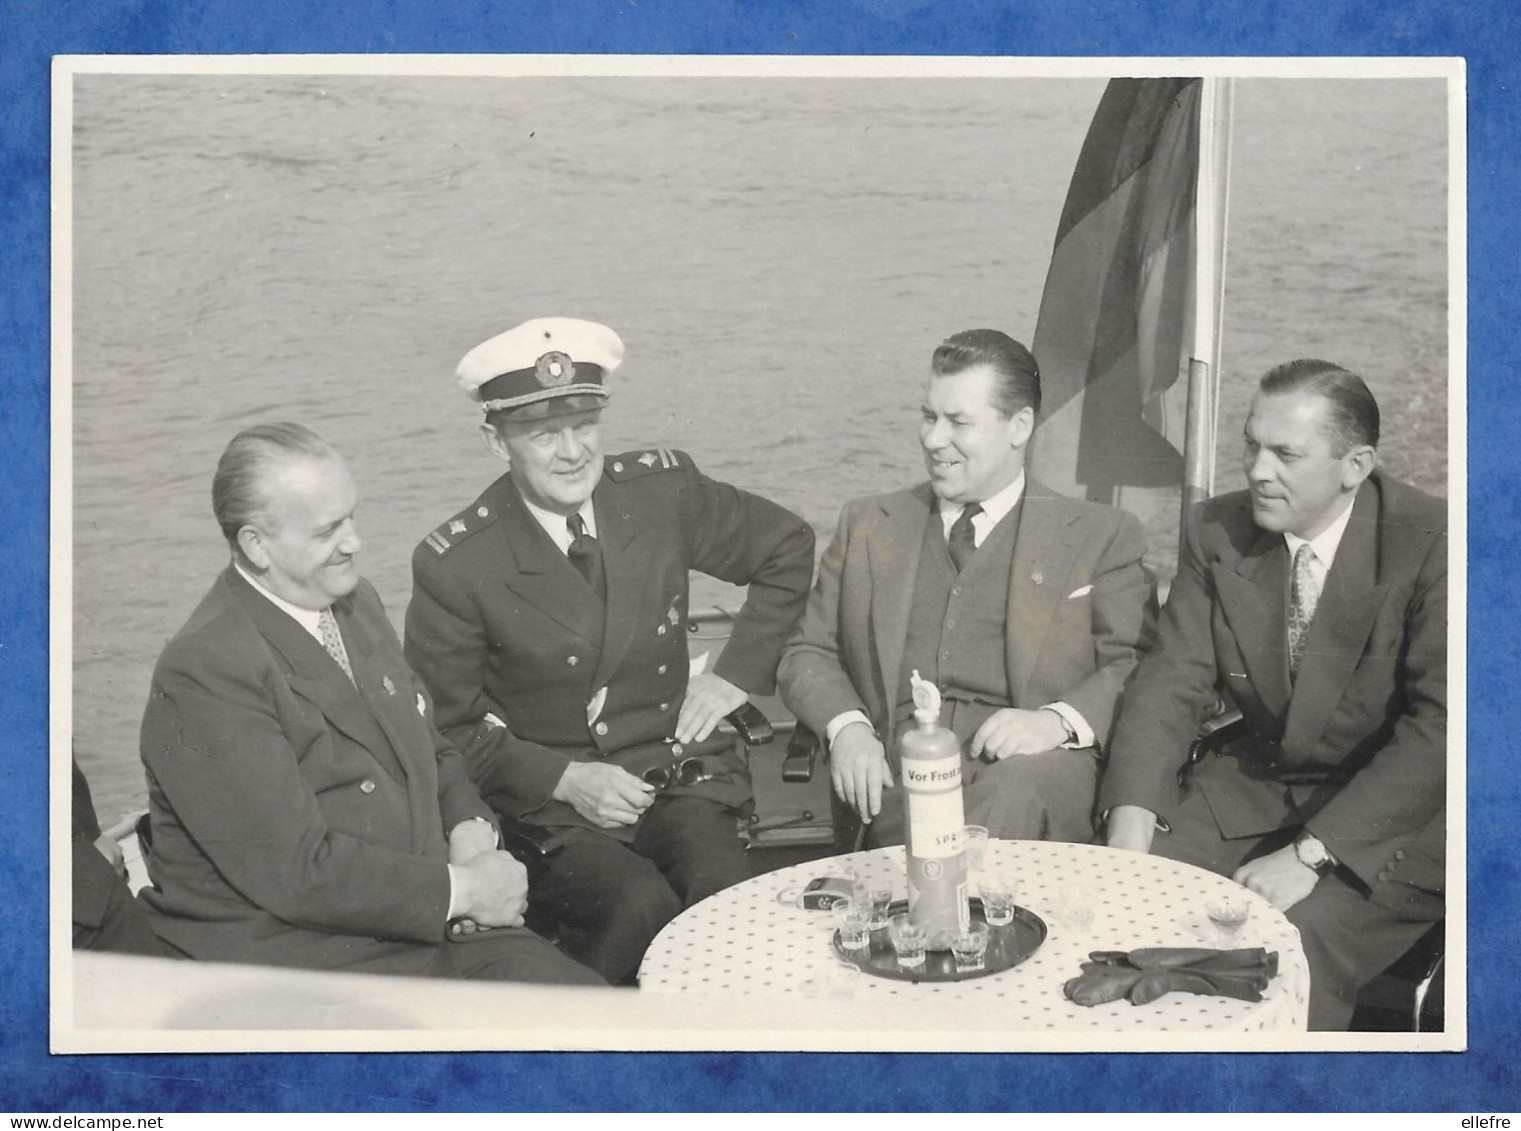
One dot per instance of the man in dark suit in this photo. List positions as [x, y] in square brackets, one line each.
[106, 917]
[549, 621]
[1315, 602]
[1024, 607]
[305, 812]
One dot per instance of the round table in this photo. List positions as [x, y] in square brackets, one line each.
[745, 941]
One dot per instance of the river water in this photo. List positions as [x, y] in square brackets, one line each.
[780, 257]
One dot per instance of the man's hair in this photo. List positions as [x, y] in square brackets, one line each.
[1017, 383]
[1353, 413]
[237, 489]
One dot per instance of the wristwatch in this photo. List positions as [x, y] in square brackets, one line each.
[1313, 854]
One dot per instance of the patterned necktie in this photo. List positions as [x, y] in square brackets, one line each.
[332, 640]
[962, 539]
[586, 555]
[1304, 595]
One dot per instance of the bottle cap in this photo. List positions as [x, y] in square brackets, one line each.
[926, 700]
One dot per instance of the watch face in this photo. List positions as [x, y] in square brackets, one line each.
[1311, 852]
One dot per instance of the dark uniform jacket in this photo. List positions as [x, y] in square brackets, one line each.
[297, 820]
[1076, 605]
[501, 623]
[1356, 746]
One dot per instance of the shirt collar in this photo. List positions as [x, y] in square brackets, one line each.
[1325, 543]
[308, 619]
[554, 524]
[994, 507]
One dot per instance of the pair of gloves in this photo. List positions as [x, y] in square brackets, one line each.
[1144, 975]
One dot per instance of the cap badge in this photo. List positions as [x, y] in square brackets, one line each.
[554, 368]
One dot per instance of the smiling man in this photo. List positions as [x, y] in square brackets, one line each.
[1024, 607]
[305, 811]
[1315, 602]
[549, 620]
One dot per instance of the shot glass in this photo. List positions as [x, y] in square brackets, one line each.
[974, 843]
[998, 901]
[909, 940]
[853, 920]
[875, 894]
[1228, 913]
[970, 946]
[839, 979]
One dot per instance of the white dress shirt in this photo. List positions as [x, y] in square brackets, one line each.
[556, 525]
[994, 510]
[1323, 544]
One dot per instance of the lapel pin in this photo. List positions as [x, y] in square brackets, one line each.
[390, 687]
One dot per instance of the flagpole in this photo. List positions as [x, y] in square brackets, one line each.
[1210, 209]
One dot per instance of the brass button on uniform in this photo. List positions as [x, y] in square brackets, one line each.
[483, 511]
[572, 660]
[617, 465]
[665, 706]
[367, 786]
[601, 728]
[676, 748]
[662, 669]
[660, 631]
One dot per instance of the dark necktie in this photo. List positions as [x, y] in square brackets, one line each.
[1304, 595]
[962, 539]
[586, 555]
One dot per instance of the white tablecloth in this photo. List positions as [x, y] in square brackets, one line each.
[744, 941]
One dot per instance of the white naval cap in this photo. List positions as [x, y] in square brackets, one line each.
[543, 367]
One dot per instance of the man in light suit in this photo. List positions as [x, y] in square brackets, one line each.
[1024, 607]
[305, 812]
[549, 621]
[1315, 602]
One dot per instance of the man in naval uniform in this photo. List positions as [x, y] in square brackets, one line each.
[1024, 607]
[549, 622]
[1315, 603]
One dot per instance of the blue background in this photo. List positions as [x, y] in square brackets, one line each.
[1483, 1079]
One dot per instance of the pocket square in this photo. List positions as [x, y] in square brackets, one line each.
[1083, 592]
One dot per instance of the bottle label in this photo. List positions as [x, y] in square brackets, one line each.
[932, 775]
[934, 825]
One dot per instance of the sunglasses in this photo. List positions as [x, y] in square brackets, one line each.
[688, 771]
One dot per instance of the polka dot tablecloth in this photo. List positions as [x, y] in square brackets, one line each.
[746, 941]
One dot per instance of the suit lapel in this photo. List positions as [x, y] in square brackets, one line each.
[1344, 617]
[542, 575]
[1043, 548]
[894, 544]
[316, 677]
[376, 683]
[627, 551]
[1252, 599]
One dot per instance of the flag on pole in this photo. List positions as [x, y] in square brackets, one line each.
[1115, 330]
